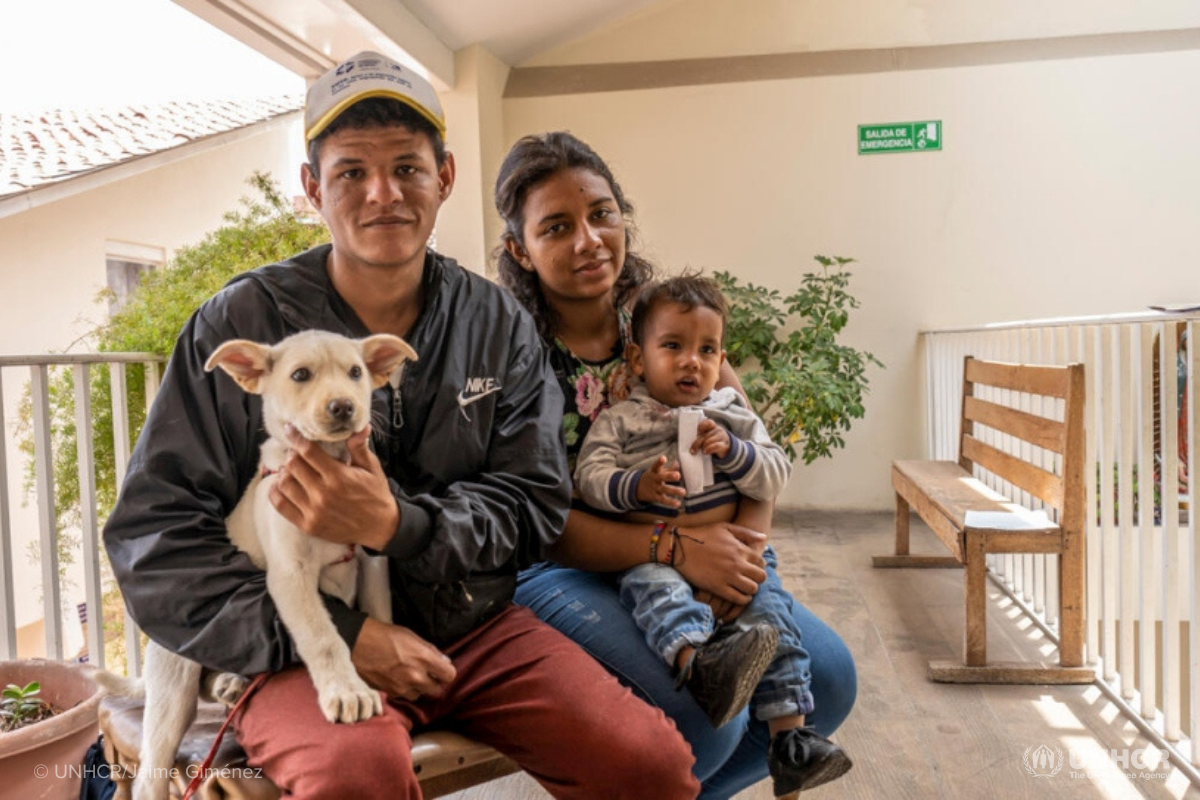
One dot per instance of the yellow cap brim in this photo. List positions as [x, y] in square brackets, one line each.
[333, 113]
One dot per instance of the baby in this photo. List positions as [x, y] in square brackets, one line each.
[630, 464]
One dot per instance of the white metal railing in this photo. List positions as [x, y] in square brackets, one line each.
[1143, 560]
[39, 373]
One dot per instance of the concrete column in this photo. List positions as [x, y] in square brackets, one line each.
[468, 228]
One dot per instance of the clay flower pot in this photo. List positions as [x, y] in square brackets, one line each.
[43, 761]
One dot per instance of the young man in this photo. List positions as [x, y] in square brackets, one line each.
[466, 484]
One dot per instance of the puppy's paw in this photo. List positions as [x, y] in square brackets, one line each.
[228, 688]
[349, 700]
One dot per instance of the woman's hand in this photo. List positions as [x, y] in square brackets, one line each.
[755, 515]
[723, 559]
[723, 610]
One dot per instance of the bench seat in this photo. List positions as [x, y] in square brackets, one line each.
[957, 501]
[973, 520]
[445, 762]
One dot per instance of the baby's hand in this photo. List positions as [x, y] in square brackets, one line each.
[656, 485]
[711, 438]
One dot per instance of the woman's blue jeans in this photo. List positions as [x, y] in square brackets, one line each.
[586, 607]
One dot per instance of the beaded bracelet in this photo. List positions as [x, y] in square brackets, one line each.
[671, 550]
[659, 527]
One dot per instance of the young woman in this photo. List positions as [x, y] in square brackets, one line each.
[567, 257]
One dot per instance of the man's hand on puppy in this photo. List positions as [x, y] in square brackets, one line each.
[398, 662]
[344, 503]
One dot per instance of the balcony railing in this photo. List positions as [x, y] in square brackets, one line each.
[36, 377]
[1142, 552]
[1143, 556]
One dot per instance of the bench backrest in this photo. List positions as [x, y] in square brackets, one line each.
[1062, 489]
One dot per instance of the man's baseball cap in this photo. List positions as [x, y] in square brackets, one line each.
[364, 75]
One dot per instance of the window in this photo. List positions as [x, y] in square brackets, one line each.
[125, 265]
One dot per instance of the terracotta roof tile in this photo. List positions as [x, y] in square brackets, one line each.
[38, 148]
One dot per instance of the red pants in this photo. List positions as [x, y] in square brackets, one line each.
[521, 687]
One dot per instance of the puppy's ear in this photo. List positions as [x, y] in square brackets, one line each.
[245, 361]
[383, 353]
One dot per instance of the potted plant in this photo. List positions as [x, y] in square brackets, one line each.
[41, 756]
[805, 384]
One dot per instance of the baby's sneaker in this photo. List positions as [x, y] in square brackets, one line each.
[723, 673]
[801, 758]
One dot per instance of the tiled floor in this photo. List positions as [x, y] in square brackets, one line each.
[911, 738]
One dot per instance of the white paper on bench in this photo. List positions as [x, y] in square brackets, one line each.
[1017, 519]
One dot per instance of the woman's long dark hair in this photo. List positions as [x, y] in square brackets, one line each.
[531, 161]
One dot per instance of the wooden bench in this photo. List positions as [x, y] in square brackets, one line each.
[973, 520]
[445, 762]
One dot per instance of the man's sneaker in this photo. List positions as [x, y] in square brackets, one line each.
[801, 758]
[723, 672]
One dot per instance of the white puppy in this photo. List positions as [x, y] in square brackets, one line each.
[321, 384]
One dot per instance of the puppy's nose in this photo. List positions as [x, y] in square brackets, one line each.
[340, 408]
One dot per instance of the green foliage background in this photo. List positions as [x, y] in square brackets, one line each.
[804, 383]
[263, 230]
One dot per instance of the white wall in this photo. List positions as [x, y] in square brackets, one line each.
[52, 264]
[1065, 187]
[52, 257]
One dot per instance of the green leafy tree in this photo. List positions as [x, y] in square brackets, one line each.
[263, 230]
[805, 385]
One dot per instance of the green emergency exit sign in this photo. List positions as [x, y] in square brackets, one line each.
[900, 137]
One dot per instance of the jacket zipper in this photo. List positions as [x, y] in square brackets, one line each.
[397, 407]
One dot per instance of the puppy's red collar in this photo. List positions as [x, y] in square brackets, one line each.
[347, 556]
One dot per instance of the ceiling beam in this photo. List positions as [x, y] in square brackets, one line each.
[257, 28]
[310, 36]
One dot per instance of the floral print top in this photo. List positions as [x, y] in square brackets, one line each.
[589, 387]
